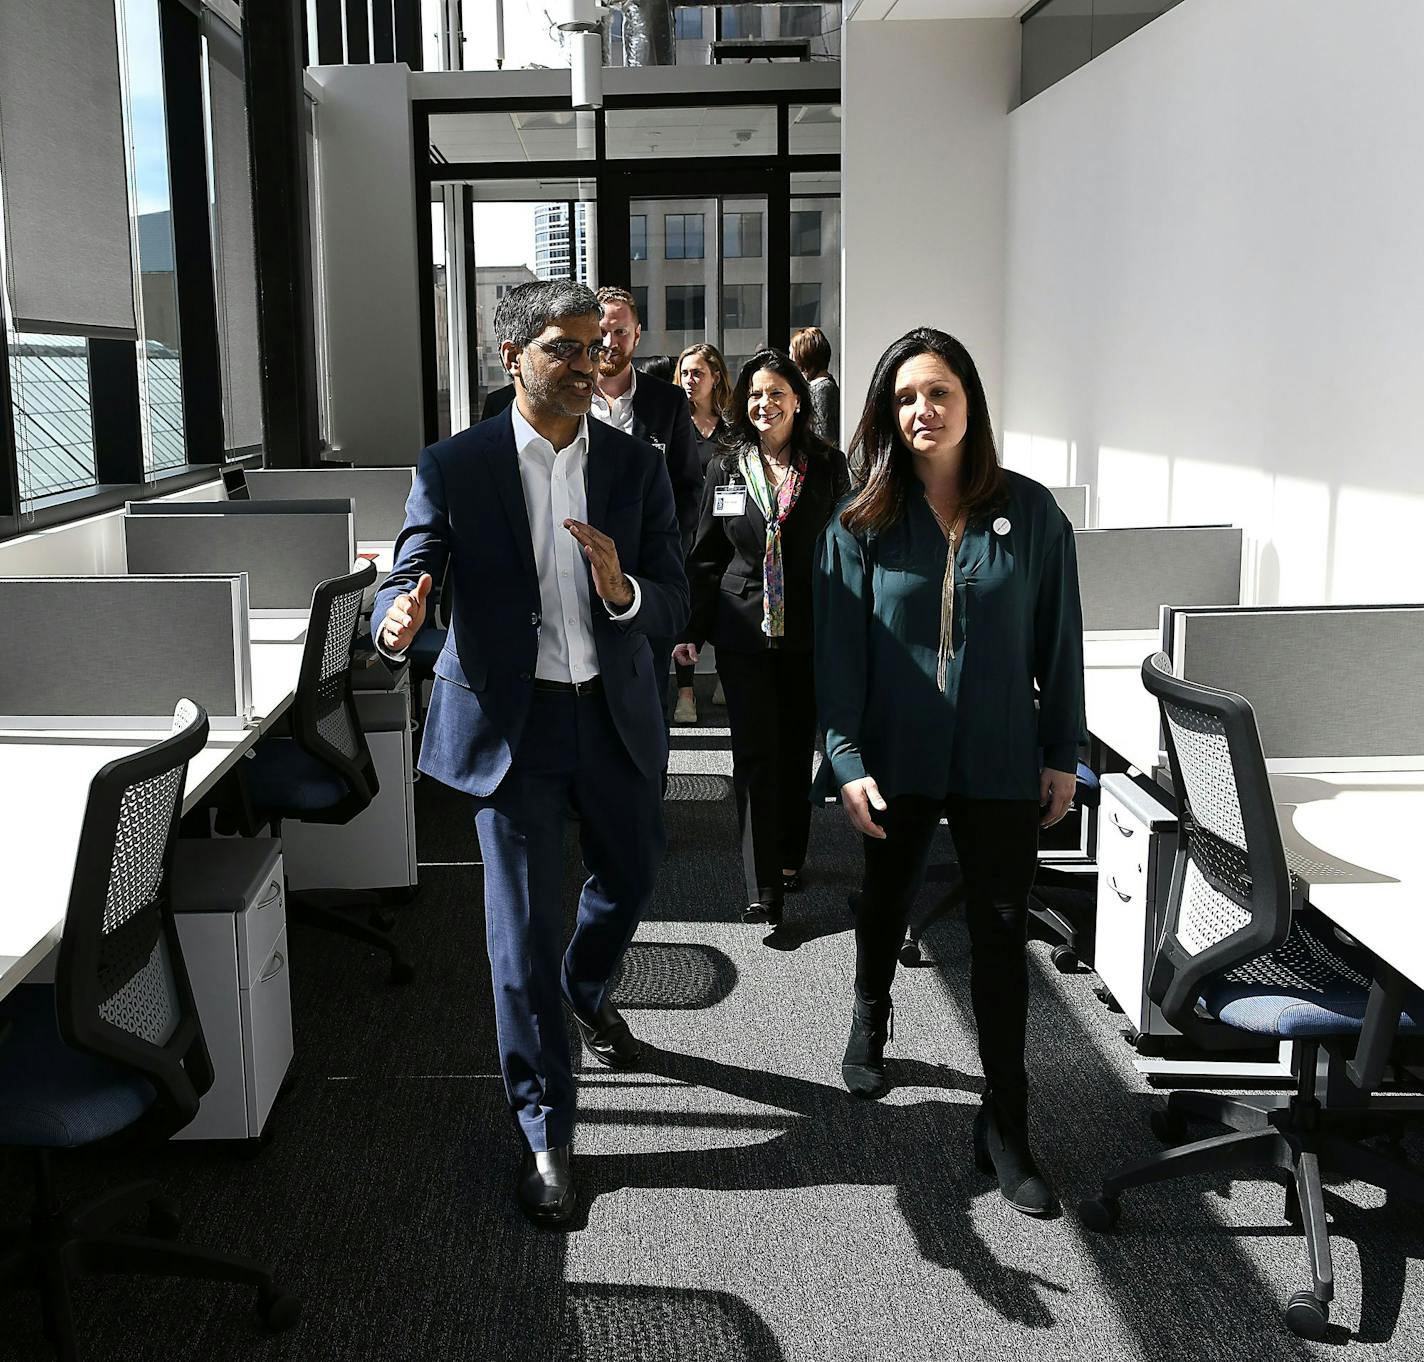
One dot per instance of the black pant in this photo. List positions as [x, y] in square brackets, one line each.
[771, 710]
[685, 672]
[662, 662]
[996, 841]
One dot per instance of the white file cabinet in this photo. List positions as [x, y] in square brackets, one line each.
[230, 908]
[376, 849]
[1137, 840]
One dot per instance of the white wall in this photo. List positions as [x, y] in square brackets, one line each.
[92, 547]
[924, 189]
[371, 279]
[1215, 286]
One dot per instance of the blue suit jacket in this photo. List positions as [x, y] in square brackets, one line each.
[467, 508]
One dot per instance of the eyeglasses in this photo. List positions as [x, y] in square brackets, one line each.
[565, 350]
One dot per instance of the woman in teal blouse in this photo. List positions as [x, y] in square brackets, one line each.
[949, 680]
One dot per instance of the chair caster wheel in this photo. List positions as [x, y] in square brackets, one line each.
[1307, 1317]
[910, 953]
[1100, 1214]
[1167, 1125]
[402, 972]
[382, 919]
[277, 1310]
[165, 1217]
[1065, 959]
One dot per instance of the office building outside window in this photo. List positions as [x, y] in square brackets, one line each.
[805, 304]
[741, 235]
[686, 307]
[806, 233]
[682, 235]
[741, 306]
[638, 236]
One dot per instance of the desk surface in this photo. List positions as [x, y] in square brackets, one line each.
[44, 788]
[1352, 836]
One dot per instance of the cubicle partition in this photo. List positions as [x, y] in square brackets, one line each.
[119, 652]
[1073, 502]
[1333, 687]
[1127, 575]
[378, 494]
[285, 547]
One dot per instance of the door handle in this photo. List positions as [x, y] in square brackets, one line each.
[1112, 884]
[274, 967]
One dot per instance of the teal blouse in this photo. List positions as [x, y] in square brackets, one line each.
[1017, 624]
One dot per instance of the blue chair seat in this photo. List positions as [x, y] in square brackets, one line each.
[282, 776]
[1313, 986]
[1088, 788]
[53, 1097]
[426, 648]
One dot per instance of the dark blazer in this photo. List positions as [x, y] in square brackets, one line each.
[496, 400]
[467, 508]
[725, 569]
[660, 417]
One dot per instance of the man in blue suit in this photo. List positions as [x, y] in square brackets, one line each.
[564, 554]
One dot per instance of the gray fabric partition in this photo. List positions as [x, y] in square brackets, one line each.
[1073, 502]
[1126, 576]
[379, 494]
[1333, 682]
[285, 548]
[69, 250]
[125, 648]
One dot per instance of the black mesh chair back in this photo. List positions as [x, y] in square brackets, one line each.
[122, 991]
[324, 719]
[1231, 896]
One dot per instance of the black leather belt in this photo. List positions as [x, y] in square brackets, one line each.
[593, 686]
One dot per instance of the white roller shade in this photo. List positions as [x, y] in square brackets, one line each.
[234, 248]
[69, 251]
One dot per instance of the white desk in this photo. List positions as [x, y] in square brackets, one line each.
[1121, 713]
[44, 788]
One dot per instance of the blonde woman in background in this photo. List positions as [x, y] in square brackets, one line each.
[702, 374]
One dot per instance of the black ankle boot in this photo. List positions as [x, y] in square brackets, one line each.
[863, 1067]
[1001, 1150]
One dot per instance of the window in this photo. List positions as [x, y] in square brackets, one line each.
[682, 234]
[741, 306]
[801, 21]
[806, 233]
[640, 301]
[805, 304]
[741, 235]
[54, 424]
[689, 23]
[638, 236]
[686, 307]
[741, 21]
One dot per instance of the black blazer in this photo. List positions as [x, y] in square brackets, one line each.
[725, 569]
[661, 419]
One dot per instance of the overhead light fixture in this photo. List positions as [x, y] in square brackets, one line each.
[582, 21]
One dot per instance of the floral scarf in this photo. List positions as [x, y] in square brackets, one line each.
[773, 597]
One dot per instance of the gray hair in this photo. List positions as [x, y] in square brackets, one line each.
[525, 311]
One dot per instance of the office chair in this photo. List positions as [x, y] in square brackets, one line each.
[323, 772]
[114, 1048]
[1241, 951]
[1053, 923]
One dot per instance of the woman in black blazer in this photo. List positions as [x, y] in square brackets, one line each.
[765, 502]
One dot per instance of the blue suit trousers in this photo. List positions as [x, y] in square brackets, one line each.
[569, 754]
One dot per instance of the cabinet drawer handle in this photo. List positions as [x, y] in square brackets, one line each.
[1112, 884]
[1120, 825]
[274, 967]
[274, 893]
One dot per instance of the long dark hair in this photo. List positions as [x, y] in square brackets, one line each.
[741, 434]
[886, 466]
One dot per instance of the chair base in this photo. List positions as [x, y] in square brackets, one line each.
[62, 1244]
[1289, 1139]
[336, 912]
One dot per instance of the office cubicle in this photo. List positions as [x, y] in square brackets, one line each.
[1127, 575]
[119, 652]
[1073, 502]
[285, 547]
[378, 494]
[1333, 687]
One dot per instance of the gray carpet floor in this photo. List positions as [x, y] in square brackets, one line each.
[736, 1204]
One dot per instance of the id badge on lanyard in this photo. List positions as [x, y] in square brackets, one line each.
[729, 499]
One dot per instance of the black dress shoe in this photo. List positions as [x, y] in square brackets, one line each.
[607, 1038]
[792, 884]
[863, 1065]
[1001, 1149]
[545, 1190]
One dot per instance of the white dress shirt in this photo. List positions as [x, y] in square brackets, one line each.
[555, 486]
[618, 412]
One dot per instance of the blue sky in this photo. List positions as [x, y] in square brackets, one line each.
[146, 101]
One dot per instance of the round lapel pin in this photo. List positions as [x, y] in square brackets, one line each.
[1002, 526]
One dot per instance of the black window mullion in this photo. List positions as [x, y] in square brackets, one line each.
[408, 36]
[9, 465]
[328, 33]
[118, 420]
[199, 354]
[778, 249]
[358, 44]
[383, 31]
